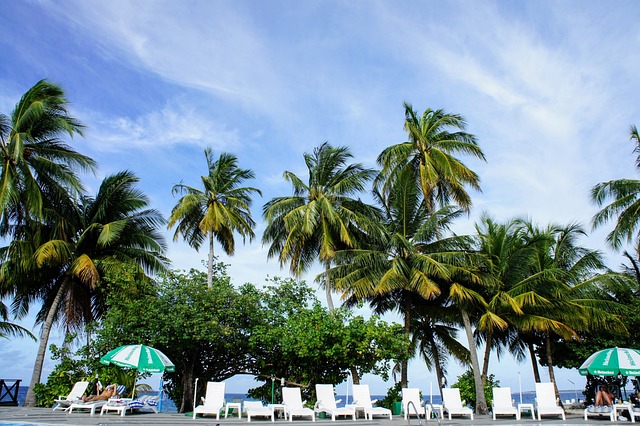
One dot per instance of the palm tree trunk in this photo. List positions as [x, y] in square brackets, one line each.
[210, 263]
[436, 363]
[481, 402]
[355, 377]
[404, 374]
[534, 363]
[327, 286]
[552, 376]
[30, 399]
[485, 361]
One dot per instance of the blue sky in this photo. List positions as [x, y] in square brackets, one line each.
[549, 89]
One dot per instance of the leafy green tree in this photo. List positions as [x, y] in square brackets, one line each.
[35, 163]
[434, 140]
[217, 211]
[625, 203]
[321, 217]
[205, 333]
[65, 271]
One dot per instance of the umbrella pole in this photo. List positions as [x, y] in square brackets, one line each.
[161, 395]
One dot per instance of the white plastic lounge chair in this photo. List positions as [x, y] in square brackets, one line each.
[122, 405]
[92, 406]
[453, 404]
[599, 411]
[503, 403]
[213, 401]
[412, 395]
[546, 401]
[292, 400]
[75, 395]
[634, 412]
[327, 403]
[362, 399]
[256, 409]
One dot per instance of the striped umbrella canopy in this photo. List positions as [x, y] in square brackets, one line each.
[611, 362]
[141, 357]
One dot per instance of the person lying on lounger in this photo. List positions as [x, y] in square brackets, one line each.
[604, 396]
[107, 393]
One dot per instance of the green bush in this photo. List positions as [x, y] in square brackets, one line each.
[394, 394]
[467, 388]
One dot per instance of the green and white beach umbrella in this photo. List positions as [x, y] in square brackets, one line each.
[141, 357]
[611, 362]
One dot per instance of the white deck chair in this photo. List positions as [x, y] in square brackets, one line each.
[453, 404]
[92, 406]
[75, 395]
[327, 403]
[362, 399]
[256, 409]
[546, 401]
[503, 403]
[292, 400]
[213, 401]
[412, 395]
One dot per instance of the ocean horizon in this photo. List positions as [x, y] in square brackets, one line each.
[528, 397]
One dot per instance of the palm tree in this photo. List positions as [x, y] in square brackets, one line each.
[434, 140]
[564, 290]
[321, 216]
[217, 211]
[114, 227]
[625, 204]
[409, 260]
[33, 158]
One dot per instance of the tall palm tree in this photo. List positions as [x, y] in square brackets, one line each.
[9, 329]
[33, 158]
[565, 288]
[64, 272]
[321, 216]
[434, 140]
[625, 203]
[217, 211]
[409, 259]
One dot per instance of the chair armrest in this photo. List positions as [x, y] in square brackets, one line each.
[374, 401]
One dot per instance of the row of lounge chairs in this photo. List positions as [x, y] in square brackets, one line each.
[73, 402]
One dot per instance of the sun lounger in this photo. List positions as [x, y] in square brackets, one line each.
[292, 400]
[453, 404]
[546, 401]
[92, 406]
[122, 405]
[601, 411]
[213, 402]
[412, 404]
[362, 400]
[64, 402]
[327, 403]
[256, 409]
[503, 403]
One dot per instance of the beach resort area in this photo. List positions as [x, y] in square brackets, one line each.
[374, 212]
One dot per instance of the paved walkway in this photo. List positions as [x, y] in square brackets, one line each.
[49, 417]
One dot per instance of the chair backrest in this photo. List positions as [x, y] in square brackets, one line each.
[215, 395]
[451, 397]
[362, 396]
[77, 391]
[292, 398]
[411, 395]
[326, 396]
[545, 394]
[502, 397]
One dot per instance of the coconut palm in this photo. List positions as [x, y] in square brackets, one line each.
[64, 272]
[9, 329]
[33, 158]
[221, 208]
[410, 258]
[321, 216]
[625, 203]
[434, 140]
